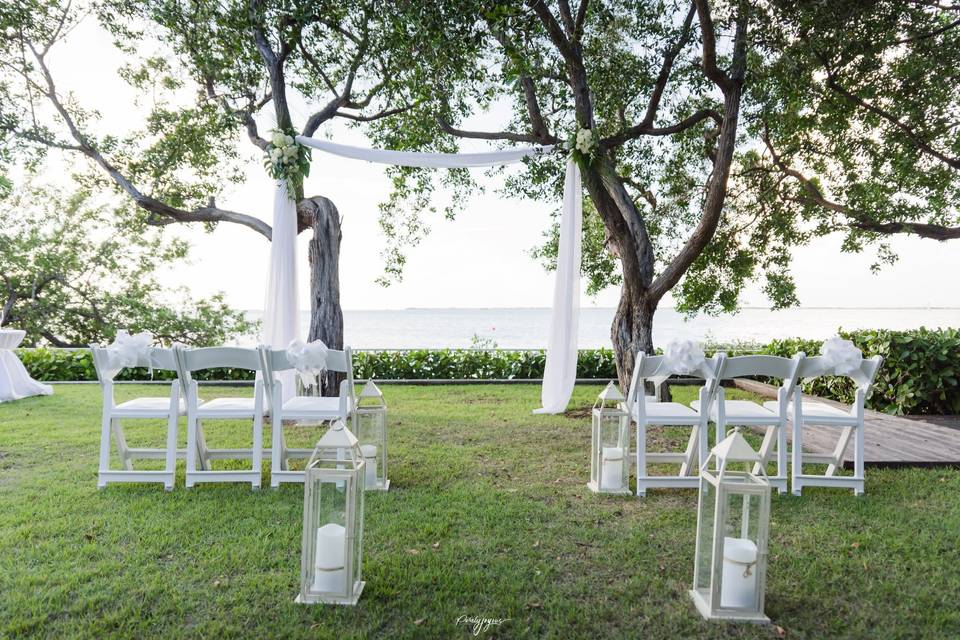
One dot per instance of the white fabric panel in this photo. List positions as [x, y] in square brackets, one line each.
[281, 323]
[560, 372]
[426, 160]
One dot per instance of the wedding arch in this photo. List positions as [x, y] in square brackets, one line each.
[281, 319]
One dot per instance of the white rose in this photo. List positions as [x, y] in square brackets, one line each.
[290, 152]
[278, 139]
[288, 141]
[276, 154]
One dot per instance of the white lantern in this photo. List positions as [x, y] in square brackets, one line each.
[370, 425]
[333, 520]
[733, 519]
[610, 444]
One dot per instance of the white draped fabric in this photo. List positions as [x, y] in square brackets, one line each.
[15, 382]
[560, 372]
[280, 321]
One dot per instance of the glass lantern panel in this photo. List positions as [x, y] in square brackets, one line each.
[739, 575]
[358, 539]
[705, 528]
[371, 436]
[327, 568]
[613, 452]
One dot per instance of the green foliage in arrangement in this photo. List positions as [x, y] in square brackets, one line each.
[919, 374]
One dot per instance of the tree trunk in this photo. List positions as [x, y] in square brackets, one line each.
[326, 317]
[632, 330]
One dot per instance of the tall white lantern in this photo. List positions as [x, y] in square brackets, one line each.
[733, 520]
[370, 425]
[333, 520]
[610, 444]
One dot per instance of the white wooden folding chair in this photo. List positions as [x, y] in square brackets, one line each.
[168, 408]
[805, 413]
[773, 416]
[306, 408]
[242, 408]
[646, 412]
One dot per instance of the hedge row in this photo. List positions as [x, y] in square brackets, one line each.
[919, 374]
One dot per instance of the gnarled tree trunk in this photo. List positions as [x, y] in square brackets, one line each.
[326, 317]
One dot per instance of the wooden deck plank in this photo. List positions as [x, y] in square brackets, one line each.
[891, 441]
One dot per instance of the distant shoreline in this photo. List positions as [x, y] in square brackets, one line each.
[584, 308]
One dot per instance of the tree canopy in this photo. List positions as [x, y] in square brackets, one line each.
[74, 273]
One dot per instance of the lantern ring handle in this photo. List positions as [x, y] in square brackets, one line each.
[747, 572]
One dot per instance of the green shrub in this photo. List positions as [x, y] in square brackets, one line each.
[58, 365]
[919, 373]
[918, 376]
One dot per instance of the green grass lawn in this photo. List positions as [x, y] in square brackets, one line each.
[488, 515]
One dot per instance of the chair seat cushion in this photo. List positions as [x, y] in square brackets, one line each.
[312, 405]
[227, 405]
[153, 406]
[742, 409]
[814, 409]
[667, 410]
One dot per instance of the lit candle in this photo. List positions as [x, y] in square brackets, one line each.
[738, 584]
[329, 573]
[370, 456]
[611, 471]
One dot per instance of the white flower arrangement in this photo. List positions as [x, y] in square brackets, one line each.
[286, 160]
[583, 145]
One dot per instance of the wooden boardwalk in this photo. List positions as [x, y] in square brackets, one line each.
[891, 441]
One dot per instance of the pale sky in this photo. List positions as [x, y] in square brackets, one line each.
[479, 260]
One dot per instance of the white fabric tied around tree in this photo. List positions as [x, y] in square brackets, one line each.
[280, 317]
[129, 350]
[561, 366]
[309, 359]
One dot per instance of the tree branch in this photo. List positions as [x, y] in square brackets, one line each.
[642, 130]
[722, 159]
[922, 145]
[858, 219]
[203, 214]
[495, 135]
[710, 68]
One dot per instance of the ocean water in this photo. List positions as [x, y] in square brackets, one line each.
[528, 328]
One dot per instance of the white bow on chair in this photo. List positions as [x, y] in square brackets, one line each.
[840, 357]
[129, 350]
[681, 356]
[309, 359]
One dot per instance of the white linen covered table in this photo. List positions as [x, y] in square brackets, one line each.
[15, 382]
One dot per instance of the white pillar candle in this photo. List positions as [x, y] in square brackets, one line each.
[738, 583]
[611, 468]
[370, 456]
[329, 572]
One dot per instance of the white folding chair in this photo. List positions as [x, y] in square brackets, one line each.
[168, 408]
[773, 415]
[649, 413]
[805, 413]
[249, 408]
[306, 408]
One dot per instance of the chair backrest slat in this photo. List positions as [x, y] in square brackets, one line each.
[220, 357]
[785, 369]
[647, 366]
[160, 358]
[275, 360]
[869, 367]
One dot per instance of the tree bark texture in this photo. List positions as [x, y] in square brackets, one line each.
[326, 317]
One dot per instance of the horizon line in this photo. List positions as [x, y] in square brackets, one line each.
[671, 308]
